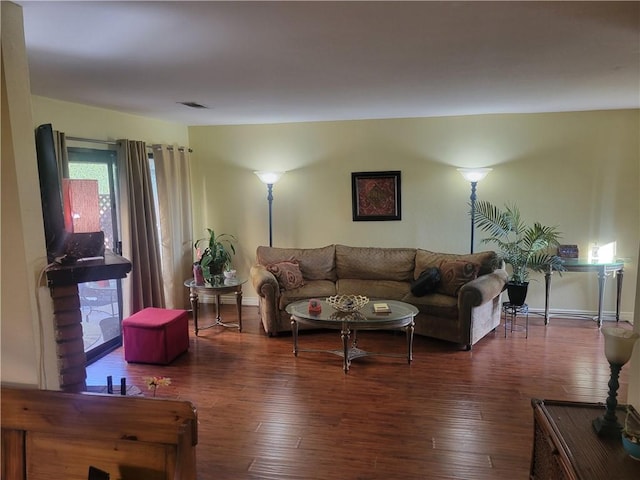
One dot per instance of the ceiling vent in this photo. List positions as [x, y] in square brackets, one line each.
[192, 105]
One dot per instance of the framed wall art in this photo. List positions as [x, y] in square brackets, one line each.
[376, 196]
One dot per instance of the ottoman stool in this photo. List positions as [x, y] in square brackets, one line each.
[155, 335]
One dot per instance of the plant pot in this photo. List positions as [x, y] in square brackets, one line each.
[216, 268]
[517, 292]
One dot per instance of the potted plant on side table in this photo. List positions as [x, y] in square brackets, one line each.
[216, 255]
[524, 247]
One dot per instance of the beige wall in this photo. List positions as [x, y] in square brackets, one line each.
[78, 120]
[577, 170]
[634, 364]
[26, 357]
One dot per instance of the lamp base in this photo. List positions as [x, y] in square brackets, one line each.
[606, 428]
[607, 425]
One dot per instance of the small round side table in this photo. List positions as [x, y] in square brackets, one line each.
[512, 311]
[216, 289]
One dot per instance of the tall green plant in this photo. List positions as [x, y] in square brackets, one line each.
[524, 247]
[218, 251]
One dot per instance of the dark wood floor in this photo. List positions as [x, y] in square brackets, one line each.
[451, 414]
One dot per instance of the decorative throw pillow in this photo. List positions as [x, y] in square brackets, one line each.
[288, 274]
[426, 282]
[455, 274]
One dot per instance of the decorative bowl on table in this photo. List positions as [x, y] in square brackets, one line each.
[347, 303]
[632, 447]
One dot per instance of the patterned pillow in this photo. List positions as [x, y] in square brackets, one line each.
[455, 274]
[288, 274]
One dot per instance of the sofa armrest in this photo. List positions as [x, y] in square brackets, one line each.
[268, 290]
[483, 289]
[264, 282]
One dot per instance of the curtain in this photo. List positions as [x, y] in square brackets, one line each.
[139, 235]
[174, 199]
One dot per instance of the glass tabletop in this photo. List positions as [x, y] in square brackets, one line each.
[366, 316]
[216, 283]
[584, 262]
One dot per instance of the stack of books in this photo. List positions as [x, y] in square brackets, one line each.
[381, 308]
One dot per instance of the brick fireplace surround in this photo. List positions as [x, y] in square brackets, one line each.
[63, 283]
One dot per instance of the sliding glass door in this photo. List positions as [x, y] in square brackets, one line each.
[101, 301]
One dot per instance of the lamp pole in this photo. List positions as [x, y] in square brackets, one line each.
[473, 175]
[269, 179]
[270, 200]
[473, 211]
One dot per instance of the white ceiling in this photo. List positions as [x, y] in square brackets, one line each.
[268, 62]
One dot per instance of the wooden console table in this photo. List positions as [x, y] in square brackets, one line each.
[565, 445]
[602, 269]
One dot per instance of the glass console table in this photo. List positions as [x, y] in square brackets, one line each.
[602, 269]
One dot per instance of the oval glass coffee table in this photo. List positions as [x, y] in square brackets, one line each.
[400, 317]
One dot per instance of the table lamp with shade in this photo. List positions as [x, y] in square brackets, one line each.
[618, 347]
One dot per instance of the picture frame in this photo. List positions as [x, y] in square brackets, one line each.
[376, 196]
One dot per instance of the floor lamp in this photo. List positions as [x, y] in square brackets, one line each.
[473, 175]
[269, 179]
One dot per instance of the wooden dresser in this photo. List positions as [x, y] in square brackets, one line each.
[565, 445]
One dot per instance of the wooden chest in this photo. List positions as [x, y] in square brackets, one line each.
[565, 445]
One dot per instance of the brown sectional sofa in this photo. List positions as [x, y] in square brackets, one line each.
[462, 310]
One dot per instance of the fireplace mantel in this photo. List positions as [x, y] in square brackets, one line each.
[112, 266]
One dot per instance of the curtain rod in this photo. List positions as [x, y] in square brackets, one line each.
[168, 147]
[91, 140]
[110, 142]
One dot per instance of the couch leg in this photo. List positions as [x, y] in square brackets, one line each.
[467, 347]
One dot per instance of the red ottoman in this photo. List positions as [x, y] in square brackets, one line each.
[155, 335]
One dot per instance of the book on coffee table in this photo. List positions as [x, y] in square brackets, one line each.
[381, 308]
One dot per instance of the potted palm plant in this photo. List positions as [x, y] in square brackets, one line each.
[525, 248]
[216, 254]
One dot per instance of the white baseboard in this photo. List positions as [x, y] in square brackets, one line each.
[607, 315]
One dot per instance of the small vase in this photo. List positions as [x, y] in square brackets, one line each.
[198, 276]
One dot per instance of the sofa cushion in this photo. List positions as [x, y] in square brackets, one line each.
[315, 263]
[371, 263]
[455, 274]
[311, 289]
[288, 274]
[380, 289]
[488, 261]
